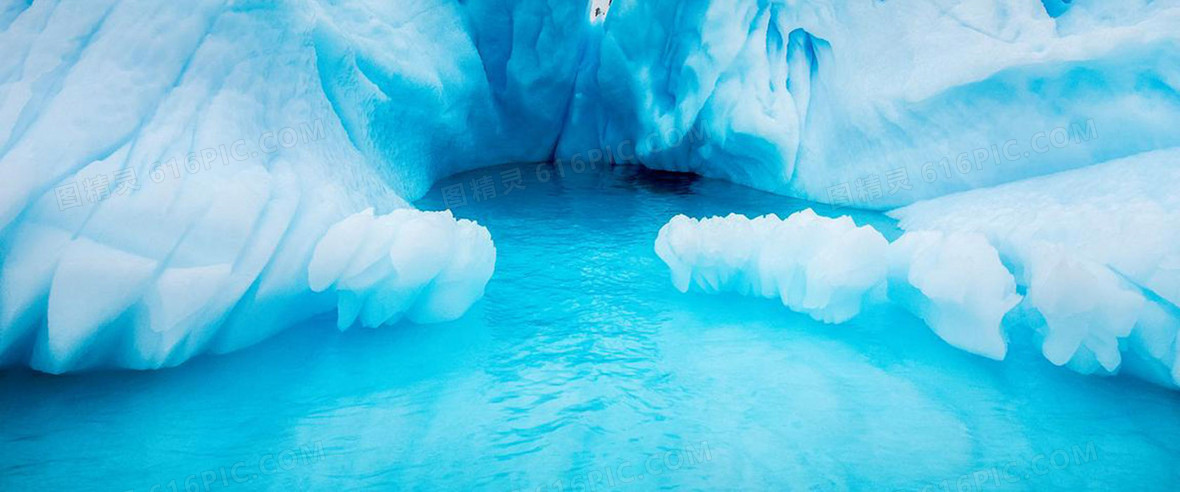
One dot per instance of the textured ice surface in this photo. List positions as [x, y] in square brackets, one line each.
[171, 166]
[1098, 252]
[879, 103]
[1095, 251]
[957, 285]
[826, 268]
[167, 168]
[421, 264]
[581, 326]
[73, 303]
[831, 269]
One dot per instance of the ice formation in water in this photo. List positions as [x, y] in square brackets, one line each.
[831, 269]
[957, 285]
[424, 265]
[826, 268]
[167, 169]
[1098, 251]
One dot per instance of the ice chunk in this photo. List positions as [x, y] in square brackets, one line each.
[957, 285]
[1096, 248]
[825, 268]
[831, 269]
[209, 147]
[1086, 307]
[425, 265]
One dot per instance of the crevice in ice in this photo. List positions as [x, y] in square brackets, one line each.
[10, 10]
[1056, 8]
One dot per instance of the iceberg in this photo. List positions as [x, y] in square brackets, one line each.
[1096, 249]
[171, 173]
[1086, 261]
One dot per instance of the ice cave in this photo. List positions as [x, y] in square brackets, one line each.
[586, 245]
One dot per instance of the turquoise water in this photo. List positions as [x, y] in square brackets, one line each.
[583, 369]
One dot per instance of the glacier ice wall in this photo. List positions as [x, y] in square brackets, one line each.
[877, 104]
[167, 169]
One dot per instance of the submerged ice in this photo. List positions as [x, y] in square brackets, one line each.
[180, 178]
[1098, 251]
[831, 270]
[957, 284]
[1085, 261]
[825, 268]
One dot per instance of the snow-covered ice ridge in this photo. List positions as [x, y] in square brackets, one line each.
[1087, 260]
[202, 149]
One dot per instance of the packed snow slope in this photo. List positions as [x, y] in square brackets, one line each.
[177, 177]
